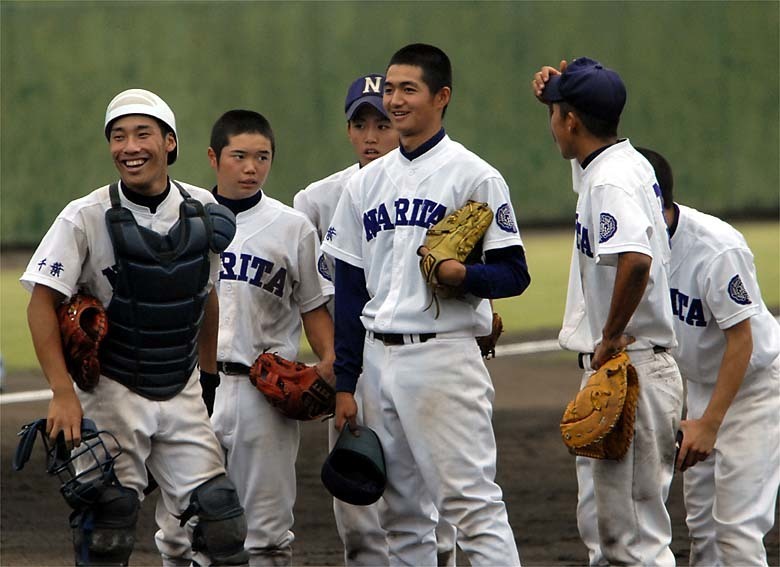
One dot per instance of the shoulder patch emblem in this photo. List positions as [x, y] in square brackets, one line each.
[504, 218]
[737, 291]
[607, 227]
[330, 233]
[322, 268]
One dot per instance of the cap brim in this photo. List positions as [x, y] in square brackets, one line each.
[373, 100]
[552, 92]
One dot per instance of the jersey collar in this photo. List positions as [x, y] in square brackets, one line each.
[424, 147]
[150, 202]
[238, 205]
[598, 152]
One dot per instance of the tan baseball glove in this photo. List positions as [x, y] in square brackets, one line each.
[453, 238]
[487, 344]
[293, 388]
[599, 421]
[83, 324]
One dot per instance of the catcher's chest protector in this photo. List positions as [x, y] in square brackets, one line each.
[159, 299]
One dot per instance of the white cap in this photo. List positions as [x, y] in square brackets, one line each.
[140, 101]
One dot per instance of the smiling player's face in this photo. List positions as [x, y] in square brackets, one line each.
[414, 110]
[140, 153]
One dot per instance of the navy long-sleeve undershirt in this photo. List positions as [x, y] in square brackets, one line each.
[504, 274]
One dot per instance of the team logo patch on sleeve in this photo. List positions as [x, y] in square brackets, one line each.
[607, 227]
[322, 268]
[330, 233]
[504, 218]
[737, 291]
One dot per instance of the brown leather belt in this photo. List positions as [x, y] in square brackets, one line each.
[581, 356]
[396, 339]
[232, 368]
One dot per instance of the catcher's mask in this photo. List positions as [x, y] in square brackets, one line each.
[84, 471]
[354, 471]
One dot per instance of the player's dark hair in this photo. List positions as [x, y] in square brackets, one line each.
[235, 122]
[663, 173]
[164, 128]
[597, 126]
[435, 65]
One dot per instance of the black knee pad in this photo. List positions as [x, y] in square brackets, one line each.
[221, 528]
[104, 533]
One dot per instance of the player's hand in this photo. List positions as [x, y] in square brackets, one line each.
[607, 348]
[450, 272]
[699, 437]
[542, 76]
[65, 415]
[346, 410]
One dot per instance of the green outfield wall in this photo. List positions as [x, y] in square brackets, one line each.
[702, 82]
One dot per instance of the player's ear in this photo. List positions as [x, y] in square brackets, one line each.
[212, 158]
[442, 98]
[170, 142]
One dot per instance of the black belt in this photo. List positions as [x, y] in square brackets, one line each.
[394, 339]
[581, 356]
[232, 368]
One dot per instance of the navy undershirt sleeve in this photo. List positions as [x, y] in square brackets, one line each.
[351, 296]
[504, 274]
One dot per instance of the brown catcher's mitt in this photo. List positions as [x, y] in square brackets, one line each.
[453, 238]
[599, 421]
[83, 324]
[487, 344]
[293, 388]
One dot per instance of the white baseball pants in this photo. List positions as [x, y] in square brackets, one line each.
[730, 497]
[621, 511]
[431, 406]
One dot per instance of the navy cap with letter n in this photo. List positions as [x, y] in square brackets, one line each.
[367, 89]
[590, 88]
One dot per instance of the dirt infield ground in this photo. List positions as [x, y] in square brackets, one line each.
[534, 469]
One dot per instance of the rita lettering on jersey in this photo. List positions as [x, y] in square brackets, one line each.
[406, 212]
[252, 269]
[583, 238]
[688, 309]
[691, 309]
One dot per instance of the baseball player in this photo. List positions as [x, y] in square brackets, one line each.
[728, 351]
[618, 298]
[142, 246]
[425, 389]
[372, 136]
[271, 284]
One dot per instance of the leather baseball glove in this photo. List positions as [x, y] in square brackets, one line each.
[293, 388]
[487, 344]
[453, 238]
[83, 324]
[599, 421]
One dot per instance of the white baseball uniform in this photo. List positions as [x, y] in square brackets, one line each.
[269, 277]
[77, 253]
[621, 509]
[429, 401]
[729, 497]
[365, 542]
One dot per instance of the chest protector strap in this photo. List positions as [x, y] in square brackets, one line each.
[159, 299]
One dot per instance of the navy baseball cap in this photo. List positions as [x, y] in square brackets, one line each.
[367, 89]
[590, 87]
